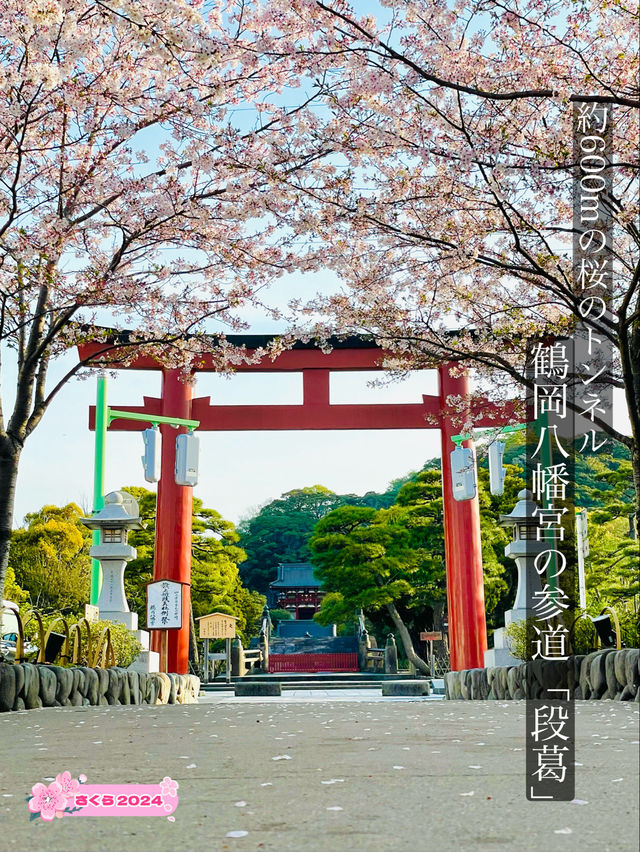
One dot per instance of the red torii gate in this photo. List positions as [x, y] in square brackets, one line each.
[465, 587]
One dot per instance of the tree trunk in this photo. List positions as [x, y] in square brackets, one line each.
[635, 461]
[9, 458]
[405, 638]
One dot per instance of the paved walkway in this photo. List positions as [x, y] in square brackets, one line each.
[362, 776]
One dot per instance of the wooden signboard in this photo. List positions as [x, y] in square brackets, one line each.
[431, 636]
[217, 625]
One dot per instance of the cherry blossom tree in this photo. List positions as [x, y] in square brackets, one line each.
[446, 205]
[131, 195]
[435, 179]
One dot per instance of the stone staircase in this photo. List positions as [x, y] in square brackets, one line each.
[311, 645]
[323, 680]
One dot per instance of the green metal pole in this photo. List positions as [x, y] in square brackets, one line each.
[98, 478]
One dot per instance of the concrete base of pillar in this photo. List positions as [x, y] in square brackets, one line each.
[129, 619]
[511, 616]
[146, 662]
[500, 657]
[143, 637]
[500, 654]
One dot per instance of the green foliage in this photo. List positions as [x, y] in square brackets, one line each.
[368, 559]
[583, 638]
[500, 576]
[247, 605]
[629, 626]
[583, 635]
[521, 636]
[606, 484]
[611, 570]
[278, 615]
[596, 473]
[14, 592]
[50, 559]
[125, 646]
[30, 624]
[280, 532]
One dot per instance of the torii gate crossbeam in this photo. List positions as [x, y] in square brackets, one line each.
[463, 556]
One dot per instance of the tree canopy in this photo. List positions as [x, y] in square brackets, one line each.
[390, 562]
[280, 530]
[132, 193]
[446, 208]
[449, 193]
[50, 559]
[435, 183]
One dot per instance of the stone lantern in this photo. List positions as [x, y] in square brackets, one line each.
[113, 552]
[524, 524]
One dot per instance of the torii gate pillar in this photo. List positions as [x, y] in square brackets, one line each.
[462, 546]
[173, 519]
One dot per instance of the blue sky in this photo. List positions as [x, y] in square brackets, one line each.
[238, 471]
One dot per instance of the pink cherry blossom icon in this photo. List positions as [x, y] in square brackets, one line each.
[47, 800]
[168, 787]
[69, 785]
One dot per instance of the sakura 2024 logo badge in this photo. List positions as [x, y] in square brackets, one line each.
[67, 796]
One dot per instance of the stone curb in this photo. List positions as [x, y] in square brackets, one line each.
[605, 674]
[252, 688]
[406, 687]
[25, 686]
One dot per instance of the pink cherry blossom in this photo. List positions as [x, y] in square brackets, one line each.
[68, 784]
[47, 800]
[169, 787]
[164, 163]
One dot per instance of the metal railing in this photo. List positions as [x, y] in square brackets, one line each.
[99, 652]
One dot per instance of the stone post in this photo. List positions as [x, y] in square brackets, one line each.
[362, 651]
[263, 643]
[391, 655]
[238, 665]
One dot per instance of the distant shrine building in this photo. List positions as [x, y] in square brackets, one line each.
[297, 590]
